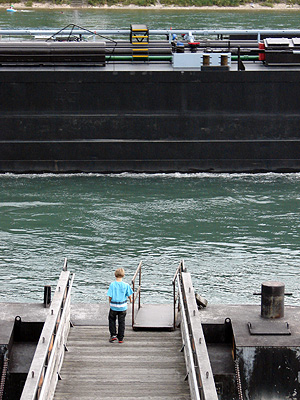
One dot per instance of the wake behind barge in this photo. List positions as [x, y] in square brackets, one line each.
[149, 101]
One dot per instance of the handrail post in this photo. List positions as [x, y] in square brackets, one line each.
[65, 267]
[138, 271]
[140, 283]
[132, 319]
[174, 305]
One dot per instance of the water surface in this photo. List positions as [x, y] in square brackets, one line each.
[155, 19]
[233, 231]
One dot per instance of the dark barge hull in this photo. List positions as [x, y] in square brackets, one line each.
[93, 120]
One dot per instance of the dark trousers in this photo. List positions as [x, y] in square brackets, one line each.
[112, 316]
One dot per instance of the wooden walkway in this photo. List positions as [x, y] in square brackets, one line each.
[148, 365]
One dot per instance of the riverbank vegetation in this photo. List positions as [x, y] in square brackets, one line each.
[192, 3]
[157, 3]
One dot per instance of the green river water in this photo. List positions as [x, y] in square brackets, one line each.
[155, 19]
[233, 231]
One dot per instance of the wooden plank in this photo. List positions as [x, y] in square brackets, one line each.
[148, 365]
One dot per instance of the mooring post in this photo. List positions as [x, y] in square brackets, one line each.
[47, 296]
[272, 300]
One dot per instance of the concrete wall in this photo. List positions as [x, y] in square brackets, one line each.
[270, 373]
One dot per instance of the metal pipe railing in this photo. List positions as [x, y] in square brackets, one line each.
[138, 292]
[159, 32]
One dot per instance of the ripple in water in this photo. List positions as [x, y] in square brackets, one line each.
[233, 231]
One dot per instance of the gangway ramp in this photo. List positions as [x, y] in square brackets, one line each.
[149, 316]
[148, 365]
[153, 363]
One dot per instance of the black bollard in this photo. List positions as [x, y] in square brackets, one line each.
[47, 296]
[272, 300]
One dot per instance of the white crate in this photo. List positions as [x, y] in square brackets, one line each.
[195, 60]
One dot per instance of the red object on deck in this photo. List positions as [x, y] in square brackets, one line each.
[261, 55]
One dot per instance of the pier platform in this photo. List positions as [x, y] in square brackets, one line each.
[158, 316]
[178, 351]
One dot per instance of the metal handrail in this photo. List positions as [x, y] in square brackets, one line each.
[71, 28]
[201, 32]
[191, 368]
[49, 353]
[179, 269]
[201, 361]
[57, 335]
[138, 292]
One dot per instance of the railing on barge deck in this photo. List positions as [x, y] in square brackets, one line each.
[153, 32]
[47, 360]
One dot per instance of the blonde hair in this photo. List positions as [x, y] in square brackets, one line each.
[119, 273]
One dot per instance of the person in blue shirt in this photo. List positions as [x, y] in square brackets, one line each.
[117, 294]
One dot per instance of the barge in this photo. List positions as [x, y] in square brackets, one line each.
[140, 100]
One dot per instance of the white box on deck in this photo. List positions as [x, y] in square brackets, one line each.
[195, 60]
